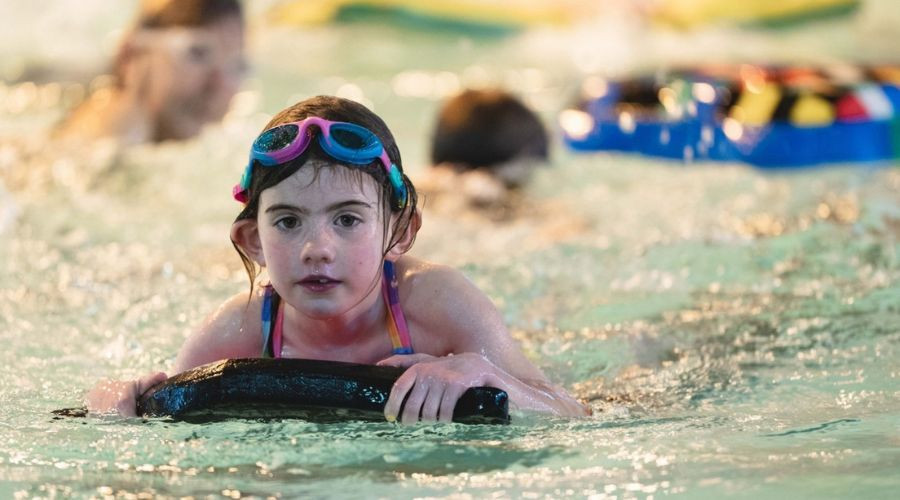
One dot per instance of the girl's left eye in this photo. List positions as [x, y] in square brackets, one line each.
[348, 220]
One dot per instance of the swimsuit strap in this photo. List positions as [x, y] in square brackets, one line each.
[271, 330]
[277, 329]
[396, 320]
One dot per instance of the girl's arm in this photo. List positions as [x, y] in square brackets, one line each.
[455, 317]
[221, 336]
[432, 385]
[120, 396]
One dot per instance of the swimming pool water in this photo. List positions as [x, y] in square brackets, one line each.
[735, 331]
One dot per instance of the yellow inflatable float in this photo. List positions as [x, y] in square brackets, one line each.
[488, 14]
[692, 13]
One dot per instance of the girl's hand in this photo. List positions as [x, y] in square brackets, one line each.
[120, 396]
[431, 385]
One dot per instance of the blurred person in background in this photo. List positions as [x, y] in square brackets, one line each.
[176, 70]
[484, 149]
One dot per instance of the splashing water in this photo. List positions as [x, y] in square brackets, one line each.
[736, 332]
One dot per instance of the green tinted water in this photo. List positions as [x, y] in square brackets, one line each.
[735, 331]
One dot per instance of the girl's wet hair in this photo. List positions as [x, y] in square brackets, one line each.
[156, 14]
[339, 110]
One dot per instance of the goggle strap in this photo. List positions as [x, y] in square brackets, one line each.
[397, 185]
[335, 150]
[239, 193]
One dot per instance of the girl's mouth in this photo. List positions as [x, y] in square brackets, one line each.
[318, 283]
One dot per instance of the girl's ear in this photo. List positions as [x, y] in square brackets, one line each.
[408, 237]
[245, 234]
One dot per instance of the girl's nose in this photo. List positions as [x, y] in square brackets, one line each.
[319, 248]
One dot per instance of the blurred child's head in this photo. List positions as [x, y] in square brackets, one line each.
[395, 192]
[489, 130]
[157, 14]
[194, 52]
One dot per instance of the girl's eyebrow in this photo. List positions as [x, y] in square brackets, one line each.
[331, 208]
[285, 206]
[348, 203]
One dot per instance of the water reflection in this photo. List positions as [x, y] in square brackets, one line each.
[709, 314]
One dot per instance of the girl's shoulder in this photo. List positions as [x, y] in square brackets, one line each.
[241, 309]
[231, 331]
[442, 299]
[417, 277]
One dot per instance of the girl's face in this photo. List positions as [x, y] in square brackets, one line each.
[322, 241]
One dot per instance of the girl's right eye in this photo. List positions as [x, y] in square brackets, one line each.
[287, 223]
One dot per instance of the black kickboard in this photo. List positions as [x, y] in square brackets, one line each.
[321, 391]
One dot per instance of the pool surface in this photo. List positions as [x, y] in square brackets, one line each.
[736, 332]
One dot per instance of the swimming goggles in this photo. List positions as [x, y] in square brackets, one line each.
[343, 141]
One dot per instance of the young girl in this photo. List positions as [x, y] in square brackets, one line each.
[328, 212]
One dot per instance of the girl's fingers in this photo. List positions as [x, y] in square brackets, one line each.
[432, 403]
[127, 406]
[97, 400]
[127, 403]
[148, 381]
[398, 392]
[413, 405]
[448, 402]
[121, 396]
[432, 387]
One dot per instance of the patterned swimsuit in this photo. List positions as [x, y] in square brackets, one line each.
[396, 321]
